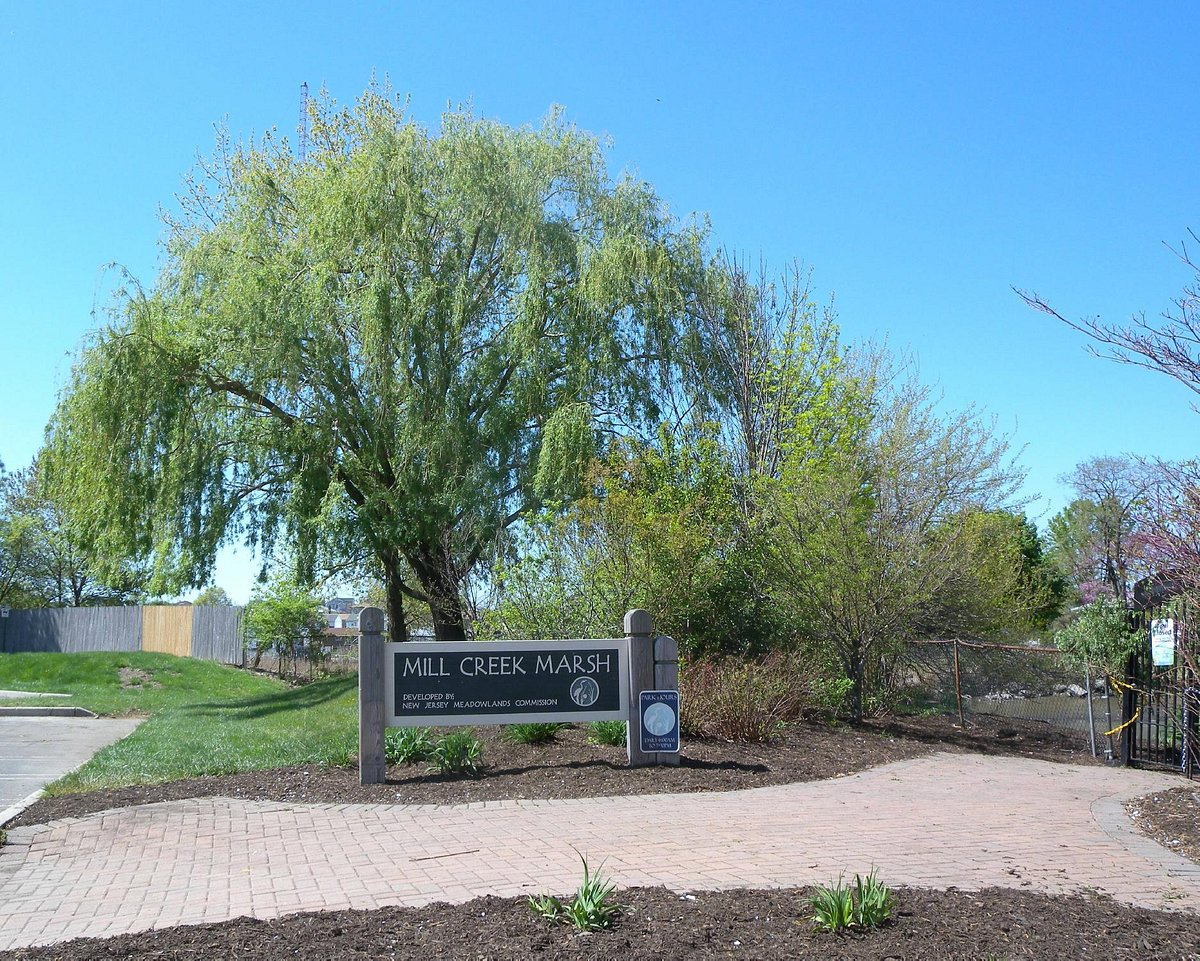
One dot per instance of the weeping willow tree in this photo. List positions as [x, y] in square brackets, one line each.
[398, 347]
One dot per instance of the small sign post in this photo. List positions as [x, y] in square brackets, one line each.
[1162, 642]
[659, 712]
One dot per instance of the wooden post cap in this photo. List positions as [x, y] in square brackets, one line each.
[638, 622]
[370, 621]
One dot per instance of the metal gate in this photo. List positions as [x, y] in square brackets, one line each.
[1162, 703]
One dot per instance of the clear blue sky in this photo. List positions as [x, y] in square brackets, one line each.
[920, 158]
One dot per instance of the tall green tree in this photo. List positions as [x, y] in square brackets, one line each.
[404, 344]
[213, 596]
[1094, 537]
[661, 529]
[17, 544]
[48, 560]
[1003, 587]
[869, 539]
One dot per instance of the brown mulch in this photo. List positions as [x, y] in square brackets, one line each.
[1172, 818]
[571, 767]
[659, 925]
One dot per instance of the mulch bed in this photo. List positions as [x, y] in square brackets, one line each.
[659, 924]
[1172, 818]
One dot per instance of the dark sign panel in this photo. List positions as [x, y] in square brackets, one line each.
[506, 682]
[660, 721]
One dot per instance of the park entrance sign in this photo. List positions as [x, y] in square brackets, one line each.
[506, 682]
[517, 682]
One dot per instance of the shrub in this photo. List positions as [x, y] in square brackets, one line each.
[591, 909]
[538, 733]
[1099, 635]
[456, 753]
[610, 733]
[750, 700]
[284, 619]
[868, 904]
[407, 745]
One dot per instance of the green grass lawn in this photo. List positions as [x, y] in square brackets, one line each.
[203, 718]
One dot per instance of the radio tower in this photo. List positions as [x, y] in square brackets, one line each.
[304, 122]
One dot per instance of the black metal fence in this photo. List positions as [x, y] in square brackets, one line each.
[1162, 701]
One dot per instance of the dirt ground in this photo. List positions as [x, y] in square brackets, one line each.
[655, 923]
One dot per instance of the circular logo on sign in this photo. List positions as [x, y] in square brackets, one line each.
[658, 719]
[584, 691]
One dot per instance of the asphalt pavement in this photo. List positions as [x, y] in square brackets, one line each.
[37, 750]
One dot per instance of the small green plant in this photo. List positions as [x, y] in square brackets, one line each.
[868, 904]
[547, 907]
[407, 745]
[456, 753]
[874, 901]
[610, 733]
[591, 909]
[832, 907]
[531, 733]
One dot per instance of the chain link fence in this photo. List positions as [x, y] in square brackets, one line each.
[1026, 684]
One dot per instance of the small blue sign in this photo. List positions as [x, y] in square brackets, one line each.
[659, 722]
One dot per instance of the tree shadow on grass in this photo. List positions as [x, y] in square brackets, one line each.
[293, 699]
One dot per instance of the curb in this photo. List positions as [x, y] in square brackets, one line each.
[11, 812]
[45, 712]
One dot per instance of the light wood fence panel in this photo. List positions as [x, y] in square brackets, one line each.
[167, 629]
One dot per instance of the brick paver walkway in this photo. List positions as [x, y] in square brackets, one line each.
[962, 820]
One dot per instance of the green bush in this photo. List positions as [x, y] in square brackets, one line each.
[1100, 635]
[284, 619]
[539, 733]
[608, 733]
[456, 753]
[407, 745]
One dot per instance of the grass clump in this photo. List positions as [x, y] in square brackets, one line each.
[408, 745]
[609, 733]
[868, 904]
[456, 753]
[536, 733]
[591, 909]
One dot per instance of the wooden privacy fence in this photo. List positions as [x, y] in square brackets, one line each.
[208, 633]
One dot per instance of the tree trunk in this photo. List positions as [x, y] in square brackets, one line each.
[857, 679]
[445, 606]
[397, 625]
